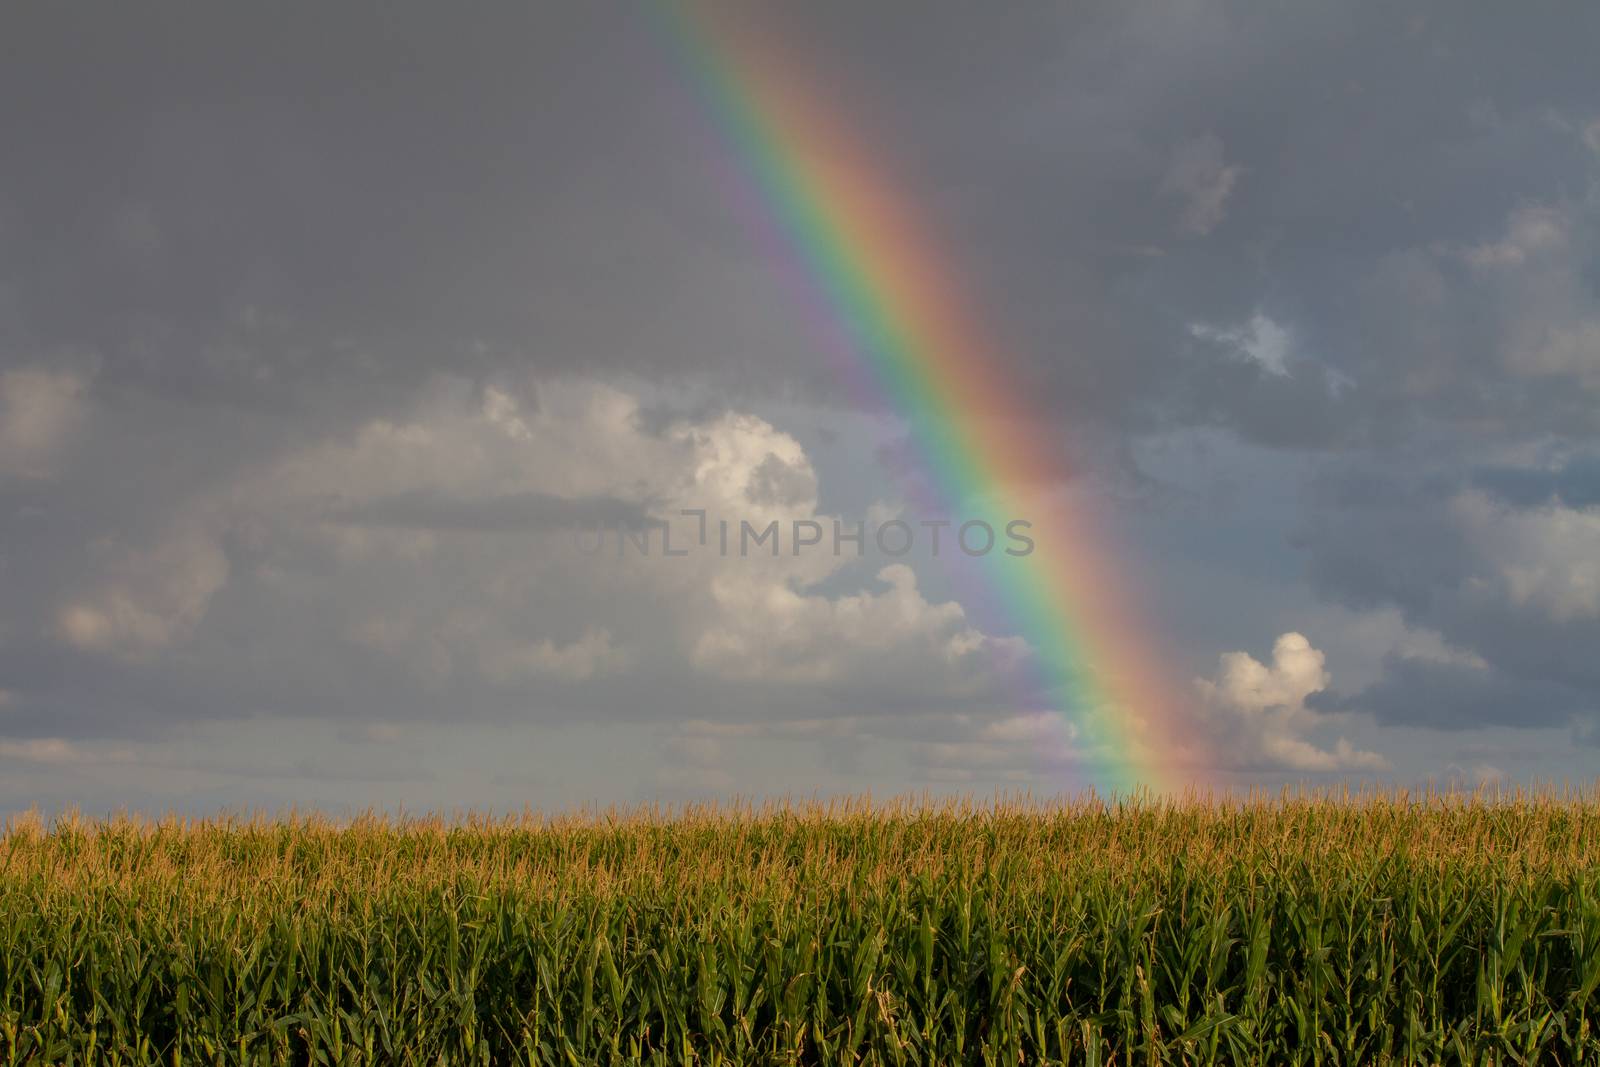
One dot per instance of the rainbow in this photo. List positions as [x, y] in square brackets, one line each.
[895, 304]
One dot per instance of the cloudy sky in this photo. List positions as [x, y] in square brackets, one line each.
[325, 329]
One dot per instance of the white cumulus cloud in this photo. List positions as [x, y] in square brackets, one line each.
[1257, 712]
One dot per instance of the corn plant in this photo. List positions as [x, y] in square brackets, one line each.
[1303, 928]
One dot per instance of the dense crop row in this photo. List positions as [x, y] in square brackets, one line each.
[1330, 929]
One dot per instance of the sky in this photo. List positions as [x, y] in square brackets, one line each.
[327, 332]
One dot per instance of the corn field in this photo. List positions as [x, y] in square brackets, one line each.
[1331, 928]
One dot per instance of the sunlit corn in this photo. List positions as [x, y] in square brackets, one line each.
[1330, 928]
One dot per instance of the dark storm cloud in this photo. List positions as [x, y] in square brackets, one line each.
[1574, 484]
[1511, 589]
[1365, 138]
[260, 206]
[1374, 539]
[250, 231]
[1461, 696]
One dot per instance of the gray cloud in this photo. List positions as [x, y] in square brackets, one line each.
[351, 577]
[1457, 695]
[427, 509]
[1512, 589]
[1572, 484]
[263, 275]
[1202, 179]
[540, 193]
